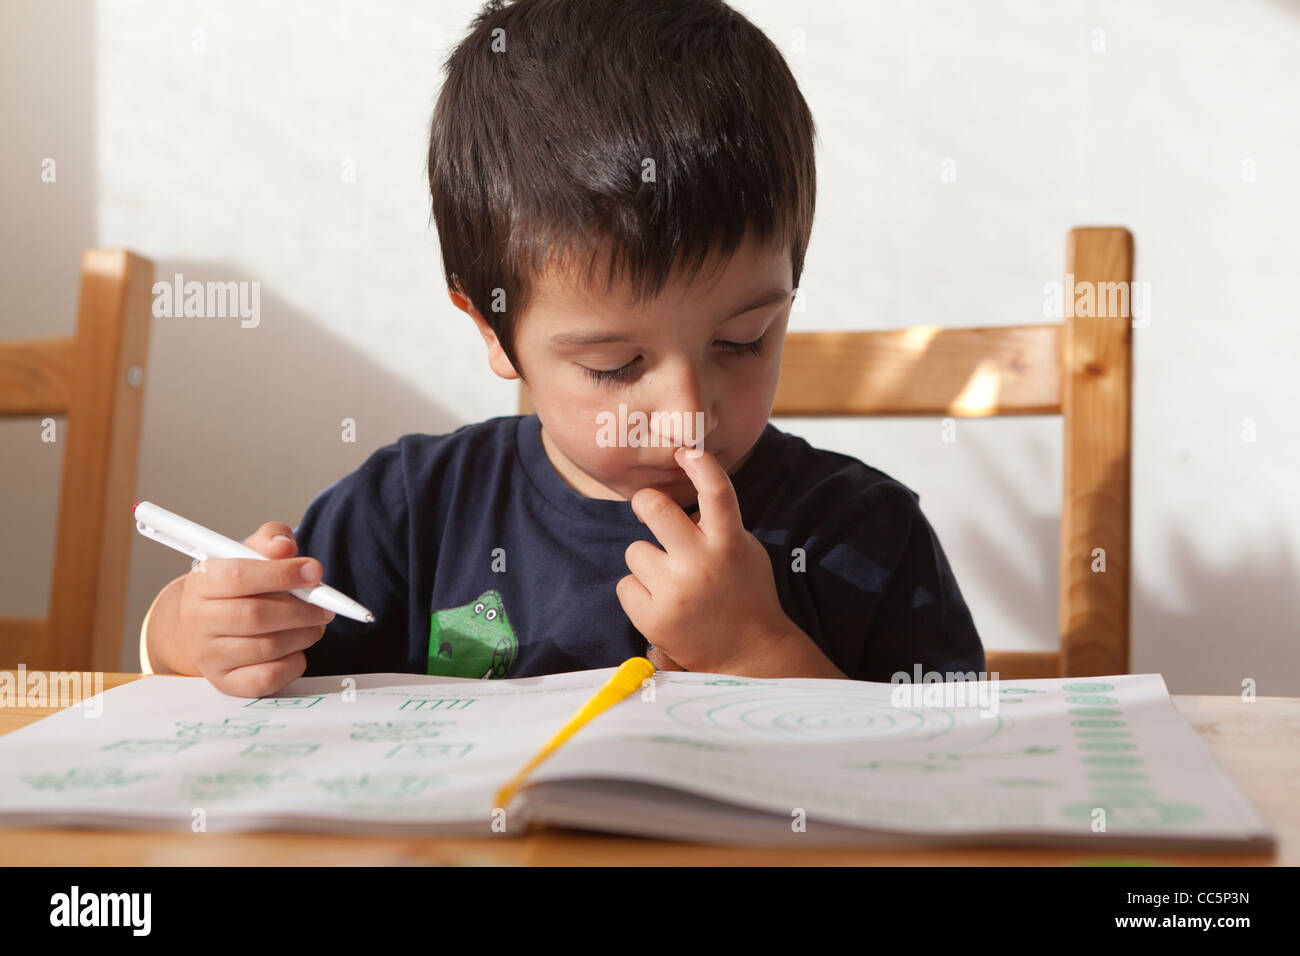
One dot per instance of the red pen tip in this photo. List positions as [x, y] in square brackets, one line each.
[133, 507]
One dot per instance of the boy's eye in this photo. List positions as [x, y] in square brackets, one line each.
[626, 372]
[606, 376]
[754, 348]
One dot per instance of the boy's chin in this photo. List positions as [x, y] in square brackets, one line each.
[679, 489]
[684, 499]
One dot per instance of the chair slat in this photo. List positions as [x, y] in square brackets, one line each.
[1022, 665]
[34, 376]
[1095, 509]
[92, 547]
[972, 372]
[24, 640]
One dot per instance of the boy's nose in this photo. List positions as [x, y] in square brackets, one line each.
[685, 416]
[681, 426]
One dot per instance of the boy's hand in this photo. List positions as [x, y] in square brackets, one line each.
[237, 624]
[708, 601]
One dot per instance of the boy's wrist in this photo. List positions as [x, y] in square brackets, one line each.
[788, 652]
[148, 664]
[154, 659]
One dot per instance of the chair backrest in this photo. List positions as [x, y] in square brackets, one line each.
[1080, 369]
[96, 379]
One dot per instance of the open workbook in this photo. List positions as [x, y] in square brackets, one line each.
[701, 757]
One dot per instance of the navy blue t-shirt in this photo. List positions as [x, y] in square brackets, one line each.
[479, 560]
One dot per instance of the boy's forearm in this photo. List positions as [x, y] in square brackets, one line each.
[159, 650]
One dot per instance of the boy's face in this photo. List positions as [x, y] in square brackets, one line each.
[679, 353]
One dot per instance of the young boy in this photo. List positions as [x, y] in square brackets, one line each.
[624, 193]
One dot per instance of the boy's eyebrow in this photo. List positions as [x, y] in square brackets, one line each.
[604, 338]
[766, 298]
[588, 338]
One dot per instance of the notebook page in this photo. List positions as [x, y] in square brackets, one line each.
[1049, 755]
[403, 750]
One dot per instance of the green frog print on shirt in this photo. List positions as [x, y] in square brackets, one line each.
[473, 640]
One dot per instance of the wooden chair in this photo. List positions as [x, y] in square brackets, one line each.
[1080, 369]
[97, 379]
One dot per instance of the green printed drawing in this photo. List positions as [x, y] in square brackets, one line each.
[728, 682]
[1031, 751]
[905, 766]
[1116, 775]
[1138, 812]
[390, 786]
[145, 746]
[1088, 687]
[238, 783]
[399, 730]
[85, 778]
[944, 760]
[229, 727]
[437, 703]
[420, 751]
[691, 743]
[283, 703]
[473, 640]
[1124, 793]
[797, 714]
[1091, 699]
[279, 750]
[1026, 783]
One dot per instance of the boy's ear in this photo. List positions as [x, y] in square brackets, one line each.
[497, 357]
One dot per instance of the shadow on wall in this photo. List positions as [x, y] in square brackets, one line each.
[1232, 623]
[247, 425]
[1026, 599]
[1235, 622]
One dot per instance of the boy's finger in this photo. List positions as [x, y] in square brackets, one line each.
[647, 562]
[718, 505]
[241, 577]
[262, 614]
[262, 680]
[665, 519]
[633, 597]
[274, 539]
[242, 651]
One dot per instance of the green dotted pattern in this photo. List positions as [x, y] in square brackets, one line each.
[1118, 784]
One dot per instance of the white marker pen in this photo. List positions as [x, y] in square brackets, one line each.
[201, 543]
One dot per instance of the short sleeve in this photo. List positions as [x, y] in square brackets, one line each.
[358, 529]
[921, 621]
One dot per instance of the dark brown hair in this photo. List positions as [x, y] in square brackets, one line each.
[546, 120]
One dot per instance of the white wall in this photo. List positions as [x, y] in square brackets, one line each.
[228, 162]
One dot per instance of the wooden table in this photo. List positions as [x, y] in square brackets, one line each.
[1258, 744]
